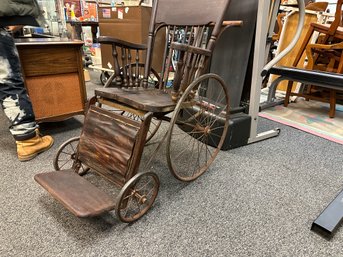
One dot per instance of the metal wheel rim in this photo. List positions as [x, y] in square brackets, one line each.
[203, 168]
[104, 76]
[126, 194]
[62, 150]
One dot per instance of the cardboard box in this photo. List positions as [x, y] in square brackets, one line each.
[113, 3]
[130, 24]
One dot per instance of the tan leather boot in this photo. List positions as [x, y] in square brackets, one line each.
[30, 148]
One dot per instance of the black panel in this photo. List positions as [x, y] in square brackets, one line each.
[231, 55]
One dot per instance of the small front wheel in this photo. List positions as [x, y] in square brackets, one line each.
[65, 157]
[137, 196]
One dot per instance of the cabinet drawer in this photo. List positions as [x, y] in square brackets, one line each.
[47, 60]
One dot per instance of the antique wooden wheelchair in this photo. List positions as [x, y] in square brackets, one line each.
[117, 123]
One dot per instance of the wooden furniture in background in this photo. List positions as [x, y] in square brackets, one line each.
[287, 35]
[329, 32]
[54, 78]
[322, 57]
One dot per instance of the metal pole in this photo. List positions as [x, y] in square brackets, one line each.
[258, 64]
[260, 67]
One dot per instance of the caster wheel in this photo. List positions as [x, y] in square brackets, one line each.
[66, 157]
[137, 196]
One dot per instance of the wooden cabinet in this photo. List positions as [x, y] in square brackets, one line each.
[53, 74]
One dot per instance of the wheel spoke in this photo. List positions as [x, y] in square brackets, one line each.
[130, 205]
[139, 189]
[66, 153]
[188, 159]
[194, 141]
[64, 164]
[66, 157]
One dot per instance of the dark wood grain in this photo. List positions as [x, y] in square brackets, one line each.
[48, 59]
[53, 73]
[75, 193]
[152, 100]
[107, 141]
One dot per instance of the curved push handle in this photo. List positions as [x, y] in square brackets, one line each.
[268, 66]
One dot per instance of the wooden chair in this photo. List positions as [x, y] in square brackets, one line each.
[320, 6]
[290, 23]
[328, 31]
[279, 21]
[114, 134]
[192, 29]
[324, 58]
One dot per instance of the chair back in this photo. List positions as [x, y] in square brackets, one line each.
[192, 28]
[338, 18]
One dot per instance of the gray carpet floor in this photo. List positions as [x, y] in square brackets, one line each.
[256, 200]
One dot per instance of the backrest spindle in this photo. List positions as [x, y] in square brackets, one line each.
[189, 44]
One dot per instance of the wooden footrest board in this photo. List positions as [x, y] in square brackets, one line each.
[76, 194]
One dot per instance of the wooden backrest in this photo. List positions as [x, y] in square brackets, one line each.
[112, 144]
[338, 18]
[192, 28]
[189, 12]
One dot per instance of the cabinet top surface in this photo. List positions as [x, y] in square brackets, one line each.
[46, 41]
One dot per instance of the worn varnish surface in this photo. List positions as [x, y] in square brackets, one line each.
[75, 193]
[107, 141]
[142, 99]
[53, 73]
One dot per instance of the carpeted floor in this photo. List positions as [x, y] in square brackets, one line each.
[257, 200]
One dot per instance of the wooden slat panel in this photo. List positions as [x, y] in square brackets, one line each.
[55, 95]
[46, 60]
[107, 141]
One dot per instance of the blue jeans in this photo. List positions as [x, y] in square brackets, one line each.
[13, 95]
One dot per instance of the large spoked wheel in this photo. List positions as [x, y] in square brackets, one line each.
[65, 157]
[137, 196]
[198, 127]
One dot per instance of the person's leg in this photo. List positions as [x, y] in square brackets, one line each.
[16, 103]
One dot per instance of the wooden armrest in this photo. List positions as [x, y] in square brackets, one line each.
[190, 49]
[325, 46]
[230, 23]
[119, 42]
[312, 49]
